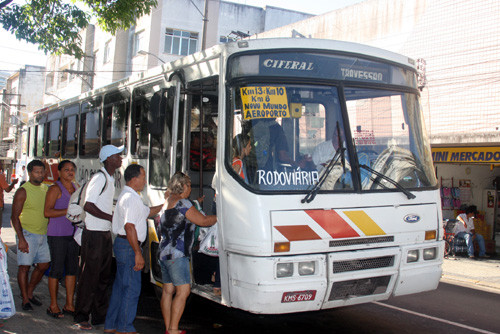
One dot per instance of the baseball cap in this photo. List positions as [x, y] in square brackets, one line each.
[109, 150]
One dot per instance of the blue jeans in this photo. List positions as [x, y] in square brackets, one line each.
[469, 240]
[126, 289]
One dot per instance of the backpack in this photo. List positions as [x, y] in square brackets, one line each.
[76, 213]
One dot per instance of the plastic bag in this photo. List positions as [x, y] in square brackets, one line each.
[78, 235]
[210, 245]
[7, 307]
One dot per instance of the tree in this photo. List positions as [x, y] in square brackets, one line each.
[54, 25]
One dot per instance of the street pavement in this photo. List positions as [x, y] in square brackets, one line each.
[481, 274]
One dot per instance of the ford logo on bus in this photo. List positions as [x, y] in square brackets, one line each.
[411, 218]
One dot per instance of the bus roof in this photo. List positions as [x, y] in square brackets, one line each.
[246, 45]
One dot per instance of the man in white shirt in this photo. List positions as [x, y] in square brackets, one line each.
[465, 229]
[96, 252]
[130, 227]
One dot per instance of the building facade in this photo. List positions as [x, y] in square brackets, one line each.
[21, 96]
[175, 28]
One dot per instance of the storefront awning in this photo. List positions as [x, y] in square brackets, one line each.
[486, 155]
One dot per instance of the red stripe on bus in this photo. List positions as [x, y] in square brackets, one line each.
[297, 232]
[332, 223]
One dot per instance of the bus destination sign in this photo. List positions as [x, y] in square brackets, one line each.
[321, 66]
[264, 102]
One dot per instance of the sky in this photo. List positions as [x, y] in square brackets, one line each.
[15, 54]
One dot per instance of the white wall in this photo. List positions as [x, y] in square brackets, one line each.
[31, 82]
[278, 17]
[247, 19]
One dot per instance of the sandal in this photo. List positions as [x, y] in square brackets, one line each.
[56, 315]
[68, 312]
[84, 326]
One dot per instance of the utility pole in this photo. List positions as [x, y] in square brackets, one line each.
[205, 24]
[82, 75]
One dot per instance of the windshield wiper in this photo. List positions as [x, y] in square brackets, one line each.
[312, 193]
[388, 179]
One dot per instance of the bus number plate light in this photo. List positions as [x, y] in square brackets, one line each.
[298, 296]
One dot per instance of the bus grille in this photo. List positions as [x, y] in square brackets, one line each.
[361, 241]
[363, 264]
[359, 287]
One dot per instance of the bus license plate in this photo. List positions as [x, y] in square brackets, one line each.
[298, 296]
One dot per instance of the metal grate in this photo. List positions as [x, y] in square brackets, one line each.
[350, 242]
[363, 264]
[359, 287]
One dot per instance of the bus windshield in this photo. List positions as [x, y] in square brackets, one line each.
[284, 137]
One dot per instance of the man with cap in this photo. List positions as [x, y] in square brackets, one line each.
[465, 229]
[96, 252]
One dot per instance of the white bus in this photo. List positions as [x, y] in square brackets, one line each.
[337, 202]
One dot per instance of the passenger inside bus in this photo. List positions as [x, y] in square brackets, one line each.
[207, 159]
[241, 149]
[269, 147]
[340, 175]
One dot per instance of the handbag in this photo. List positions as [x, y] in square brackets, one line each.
[7, 306]
[210, 245]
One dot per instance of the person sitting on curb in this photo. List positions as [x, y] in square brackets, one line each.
[465, 230]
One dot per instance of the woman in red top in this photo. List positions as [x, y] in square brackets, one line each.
[241, 149]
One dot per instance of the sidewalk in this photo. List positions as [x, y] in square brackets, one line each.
[36, 321]
[481, 274]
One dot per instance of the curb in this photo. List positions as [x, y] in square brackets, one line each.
[470, 283]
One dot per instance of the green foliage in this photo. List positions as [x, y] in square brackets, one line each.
[55, 24]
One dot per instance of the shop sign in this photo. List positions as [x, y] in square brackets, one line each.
[471, 155]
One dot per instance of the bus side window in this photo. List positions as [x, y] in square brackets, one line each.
[89, 128]
[115, 118]
[139, 141]
[69, 136]
[160, 127]
[69, 133]
[53, 139]
[40, 138]
[31, 141]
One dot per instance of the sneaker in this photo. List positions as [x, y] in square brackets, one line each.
[485, 256]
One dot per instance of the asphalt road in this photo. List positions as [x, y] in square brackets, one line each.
[450, 308]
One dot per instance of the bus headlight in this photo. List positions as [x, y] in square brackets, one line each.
[430, 253]
[284, 269]
[307, 268]
[412, 256]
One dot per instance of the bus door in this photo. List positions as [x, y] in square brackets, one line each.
[154, 142]
[202, 118]
[201, 109]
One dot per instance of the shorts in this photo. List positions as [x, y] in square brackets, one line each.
[176, 271]
[64, 255]
[39, 250]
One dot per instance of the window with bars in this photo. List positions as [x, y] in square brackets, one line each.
[180, 42]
